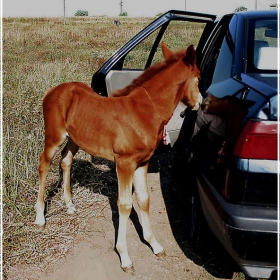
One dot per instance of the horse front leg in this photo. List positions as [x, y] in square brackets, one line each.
[142, 196]
[125, 175]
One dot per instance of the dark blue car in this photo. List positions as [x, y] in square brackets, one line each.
[238, 57]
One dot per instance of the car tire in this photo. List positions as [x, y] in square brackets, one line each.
[195, 220]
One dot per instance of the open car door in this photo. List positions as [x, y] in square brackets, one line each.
[178, 29]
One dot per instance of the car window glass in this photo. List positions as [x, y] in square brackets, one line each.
[224, 64]
[265, 46]
[137, 57]
[210, 59]
[178, 35]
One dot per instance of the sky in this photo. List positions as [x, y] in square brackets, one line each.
[134, 8]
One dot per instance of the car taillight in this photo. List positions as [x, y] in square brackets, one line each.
[258, 140]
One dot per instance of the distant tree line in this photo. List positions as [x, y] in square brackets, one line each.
[85, 13]
[81, 13]
[123, 14]
[240, 9]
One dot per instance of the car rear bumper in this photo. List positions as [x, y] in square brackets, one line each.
[249, 233]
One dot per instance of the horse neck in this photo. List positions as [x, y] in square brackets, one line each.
[164, 95]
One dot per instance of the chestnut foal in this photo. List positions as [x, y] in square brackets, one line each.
[125, 128]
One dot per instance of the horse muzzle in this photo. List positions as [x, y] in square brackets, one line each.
[198, 103]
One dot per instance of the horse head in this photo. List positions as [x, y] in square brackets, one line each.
[188, 74]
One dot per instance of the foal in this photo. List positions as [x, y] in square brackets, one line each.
[126, 129]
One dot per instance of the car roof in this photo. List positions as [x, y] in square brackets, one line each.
[258, 13]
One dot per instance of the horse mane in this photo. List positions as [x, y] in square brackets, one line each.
[149, 73]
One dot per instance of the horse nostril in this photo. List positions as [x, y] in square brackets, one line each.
[202, 106]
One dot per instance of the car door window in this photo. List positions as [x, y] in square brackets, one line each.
[178, 35]
[137, 57]
[223, 64]
[210, 59]
[216, 51]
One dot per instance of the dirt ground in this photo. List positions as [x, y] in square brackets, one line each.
[93, 256]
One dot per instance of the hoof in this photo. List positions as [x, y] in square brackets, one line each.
[129, 269]
[71, 210]
[40, 223]
[40, 219]
[70, 207]
[161, 255]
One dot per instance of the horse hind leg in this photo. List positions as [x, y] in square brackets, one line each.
[44, 166]
[68, 154]
[142, 196]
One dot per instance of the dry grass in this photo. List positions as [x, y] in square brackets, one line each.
[25, 243]
[40, 53]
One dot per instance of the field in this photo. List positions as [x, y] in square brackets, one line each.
[39, 53]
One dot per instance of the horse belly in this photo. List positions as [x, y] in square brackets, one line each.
[94, 137]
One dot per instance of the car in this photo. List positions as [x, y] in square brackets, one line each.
[237, 57]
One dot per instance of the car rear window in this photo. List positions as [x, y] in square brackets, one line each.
[263, 45]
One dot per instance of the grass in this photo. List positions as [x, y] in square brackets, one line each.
[39, 53]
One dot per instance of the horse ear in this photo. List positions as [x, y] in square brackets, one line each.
[190, 58]
[167, 53]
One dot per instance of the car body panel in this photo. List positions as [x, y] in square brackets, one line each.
[257, 165]
[248, 230]
[116, 79]
[255, 227]
[226, 87]
[264, 83]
